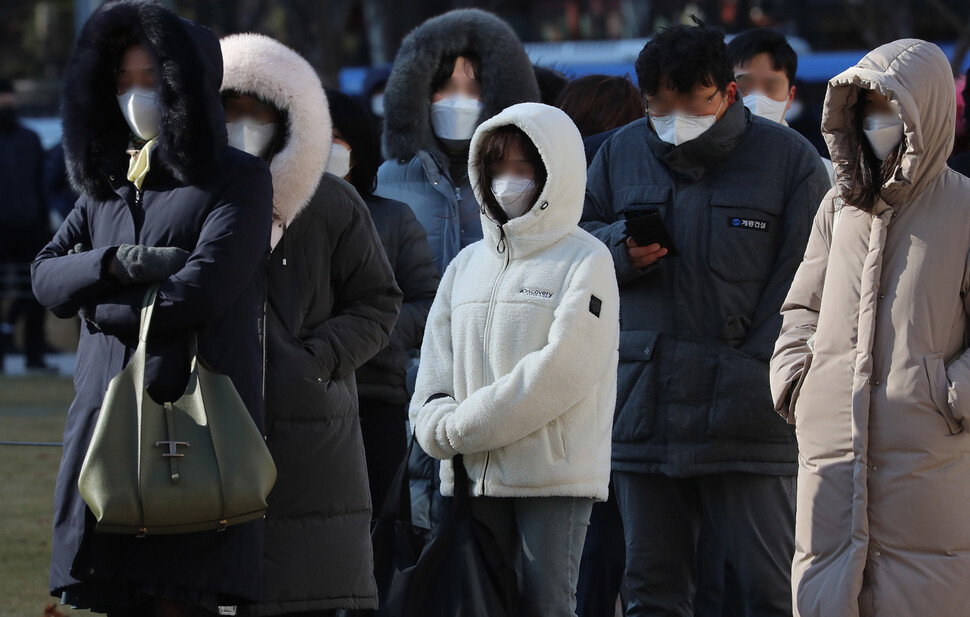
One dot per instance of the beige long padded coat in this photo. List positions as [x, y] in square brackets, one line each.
[881, 405]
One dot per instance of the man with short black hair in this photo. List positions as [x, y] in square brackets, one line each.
[695, 436]
[764, 69]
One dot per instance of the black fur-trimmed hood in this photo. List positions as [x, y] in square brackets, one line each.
[507, 77]
[188, 62]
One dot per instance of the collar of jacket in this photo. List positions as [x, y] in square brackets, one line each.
[507, 76]
[264, 67]
[437, 174]
[559, 207]
[693, 158]
[916, 76]
[193, 126]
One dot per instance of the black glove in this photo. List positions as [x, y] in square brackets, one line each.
[134, 263]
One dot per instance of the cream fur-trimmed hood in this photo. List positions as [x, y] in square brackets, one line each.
[265, 68]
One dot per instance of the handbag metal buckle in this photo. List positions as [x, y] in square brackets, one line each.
[172, 448]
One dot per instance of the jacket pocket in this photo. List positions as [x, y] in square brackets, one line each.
[635, 200]
[556, 437]
[797, 389]
[939, 390]
[742, 246]
[742, 407]
[636, 390]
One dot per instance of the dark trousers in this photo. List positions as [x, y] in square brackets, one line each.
[18, 247]
[604, 555]
[385, 445]
[717, 586]
[753, 517]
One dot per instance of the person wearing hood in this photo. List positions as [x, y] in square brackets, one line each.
[452, 72]
[382, 382]
[872, 364]
[164, 200]
[331, 305]
[764, 68]
[694, 438]
[518, 371]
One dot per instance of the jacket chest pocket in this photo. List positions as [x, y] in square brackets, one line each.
[635, 201]
[743, 237]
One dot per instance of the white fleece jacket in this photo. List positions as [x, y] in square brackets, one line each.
[518, 365]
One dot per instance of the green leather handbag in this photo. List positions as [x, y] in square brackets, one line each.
[197, 464]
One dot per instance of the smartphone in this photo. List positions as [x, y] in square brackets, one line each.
[649, 228]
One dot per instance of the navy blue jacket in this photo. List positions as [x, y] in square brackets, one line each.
[201, 196]
[697, 330]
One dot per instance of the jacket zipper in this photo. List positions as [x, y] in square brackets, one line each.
[503, 246]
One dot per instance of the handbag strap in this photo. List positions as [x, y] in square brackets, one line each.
[462, 501]
[138, 368]
[138, 359]
[398, 501]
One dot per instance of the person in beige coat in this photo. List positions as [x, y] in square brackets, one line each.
[872, 364]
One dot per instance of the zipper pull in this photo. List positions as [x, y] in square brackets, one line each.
[138, 197]
[458, 193]
[500, 247]
[285, 246]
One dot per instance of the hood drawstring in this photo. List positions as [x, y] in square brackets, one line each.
[501, 245]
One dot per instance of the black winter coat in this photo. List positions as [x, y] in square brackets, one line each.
[384, 378]
[204, 197]
[330, 308]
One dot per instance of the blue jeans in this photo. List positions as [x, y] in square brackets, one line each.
[545, 535]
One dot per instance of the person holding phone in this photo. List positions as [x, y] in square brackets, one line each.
[694, 436]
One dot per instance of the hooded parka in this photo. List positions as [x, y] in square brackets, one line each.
[417, 167]
[872, 367]
[518, 364]
[202, 196]
[331, 304]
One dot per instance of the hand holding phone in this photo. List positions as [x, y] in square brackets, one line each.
[649, 228]
[643, 256]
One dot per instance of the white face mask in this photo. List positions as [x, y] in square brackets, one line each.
[884, 132]
[339, 162]
[250, 136]
[514, 194]
[142, 112]
[377, 105]
[766, 107]
[456, 117]
[677, 128]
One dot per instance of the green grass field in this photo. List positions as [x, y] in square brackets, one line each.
[31, 409]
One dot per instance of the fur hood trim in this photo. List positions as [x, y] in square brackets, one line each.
[272, 72]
